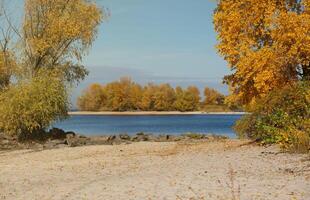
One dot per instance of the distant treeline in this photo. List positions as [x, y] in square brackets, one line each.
[126, 95]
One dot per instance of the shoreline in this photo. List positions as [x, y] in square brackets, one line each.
[153, 113]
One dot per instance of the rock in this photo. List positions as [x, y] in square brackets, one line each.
[56, 133]
[70, 134]
[140, 137]
[140, 133]
[124, 136]
[113, 140]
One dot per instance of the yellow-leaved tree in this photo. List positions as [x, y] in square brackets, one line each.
[266, 44]
[57, 33]
[41, 60]
[92, 99]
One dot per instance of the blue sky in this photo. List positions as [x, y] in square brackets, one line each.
[157, 40]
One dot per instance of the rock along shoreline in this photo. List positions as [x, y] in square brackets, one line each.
[57, 138]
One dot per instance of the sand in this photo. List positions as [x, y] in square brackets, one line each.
[154, 113]
[147, 170]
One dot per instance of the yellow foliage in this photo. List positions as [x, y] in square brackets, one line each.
[92, 99]
[265, 42]
[213, 97]
[126, 95]
[7, 67]
[32, 105]
[187, 100]
[55, 32]
[54, 36]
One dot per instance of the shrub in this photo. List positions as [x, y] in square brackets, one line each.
[29, 107]
[281, 117]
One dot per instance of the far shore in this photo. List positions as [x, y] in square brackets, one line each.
[154, 113]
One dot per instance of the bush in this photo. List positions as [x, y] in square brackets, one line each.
[281, 117]
[29, 107]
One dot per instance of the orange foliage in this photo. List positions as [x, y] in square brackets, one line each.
[265, 42]
[213, 97]
[126, 95]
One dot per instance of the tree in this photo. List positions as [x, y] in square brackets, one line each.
[213, 97]
[7, 62]
[31, 106]
[121, 95]
[180, 103]
[187, 100]
[194, 92]
[57, 33]
[148, 100]
[54, 37]
[136, 94]
[265, 42]
[92, 99]
[7, 66]
[164, 98]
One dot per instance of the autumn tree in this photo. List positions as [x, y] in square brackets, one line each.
[164, 98]
[121, 95]
[92, 99]
[7, 61]
[265, 42]
[194, 92]
[148, 100]
[57, 33]
[187, 100]
[213, 97]
[29, 107]
[180, 104]
[136, 94]
[43, 58]
[126, 95]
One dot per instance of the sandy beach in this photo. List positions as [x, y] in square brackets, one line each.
[154, 113]
[229, 169]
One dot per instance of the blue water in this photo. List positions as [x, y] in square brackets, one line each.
[167, 124]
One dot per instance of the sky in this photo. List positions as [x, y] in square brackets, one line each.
[159, 41]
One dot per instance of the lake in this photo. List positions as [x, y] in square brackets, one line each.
[159, 124]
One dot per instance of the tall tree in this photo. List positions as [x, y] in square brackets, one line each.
[265, 42]
[54, 37]
[57, 33]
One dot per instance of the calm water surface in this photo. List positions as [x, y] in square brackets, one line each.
[169, 124]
